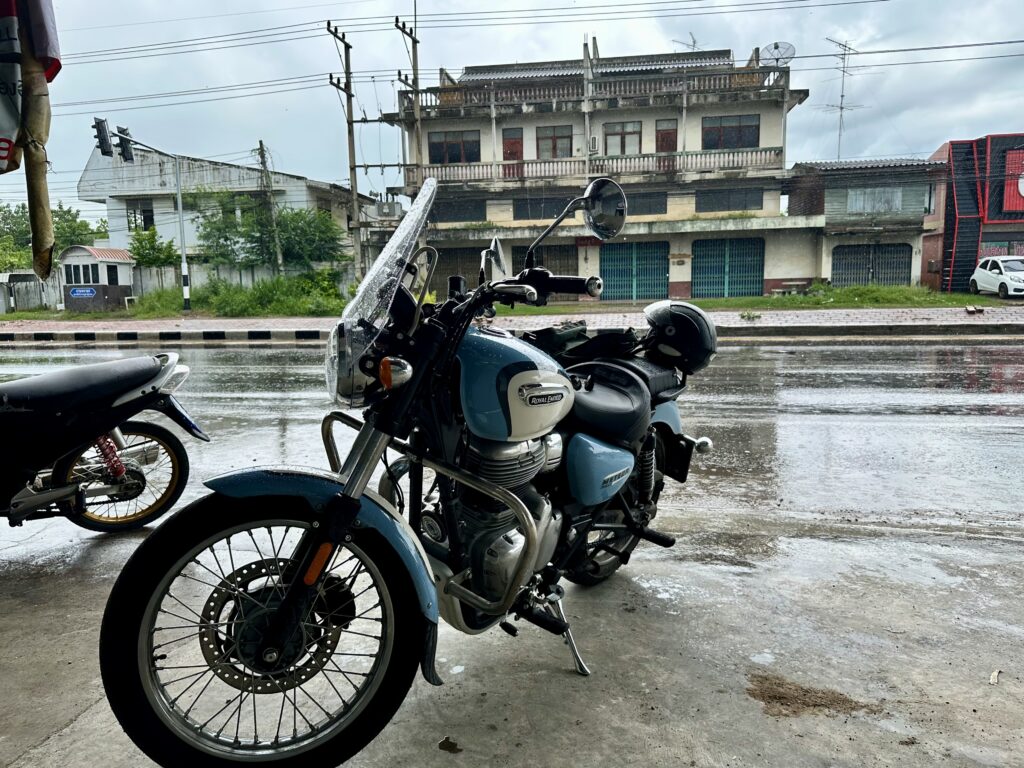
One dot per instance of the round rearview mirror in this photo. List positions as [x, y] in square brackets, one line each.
[604, 208]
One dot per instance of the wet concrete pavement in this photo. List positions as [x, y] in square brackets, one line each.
[856, 531]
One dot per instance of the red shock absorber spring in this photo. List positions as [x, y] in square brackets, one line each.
[105, 445]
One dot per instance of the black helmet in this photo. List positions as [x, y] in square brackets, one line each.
[682, 336]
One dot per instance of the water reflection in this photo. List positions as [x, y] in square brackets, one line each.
[850, 431]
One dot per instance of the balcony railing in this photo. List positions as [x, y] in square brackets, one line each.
[759, 158]
[483, 94]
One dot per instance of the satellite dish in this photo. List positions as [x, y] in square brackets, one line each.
[777, 54]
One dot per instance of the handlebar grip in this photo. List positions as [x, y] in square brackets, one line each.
[592, 286]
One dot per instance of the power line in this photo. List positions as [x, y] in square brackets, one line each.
[197, 101]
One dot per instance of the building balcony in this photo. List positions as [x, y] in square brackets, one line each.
[476, 99]
[657, 166]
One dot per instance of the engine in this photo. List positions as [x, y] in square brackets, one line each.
[490, 530]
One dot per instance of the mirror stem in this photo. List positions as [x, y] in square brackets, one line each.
[574, 205]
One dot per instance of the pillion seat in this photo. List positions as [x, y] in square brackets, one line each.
[78, 386]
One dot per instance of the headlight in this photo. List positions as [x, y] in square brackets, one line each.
[1016, 279]
[346, 385]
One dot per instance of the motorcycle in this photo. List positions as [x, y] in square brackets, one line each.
[70, 448]
[281, 619]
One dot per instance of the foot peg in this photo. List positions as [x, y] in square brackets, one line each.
[655, 537]
[556, 625]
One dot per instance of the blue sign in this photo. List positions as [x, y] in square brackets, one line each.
[83, 293]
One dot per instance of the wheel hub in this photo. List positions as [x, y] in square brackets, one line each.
[238, 613]
[131, 484]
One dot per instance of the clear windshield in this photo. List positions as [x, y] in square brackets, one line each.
[367, 314]
[1014, 265]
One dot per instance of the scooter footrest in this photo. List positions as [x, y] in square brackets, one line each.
[544, 620]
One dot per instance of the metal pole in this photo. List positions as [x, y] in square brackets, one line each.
[268, 184]
[187, 302]
[357, 244]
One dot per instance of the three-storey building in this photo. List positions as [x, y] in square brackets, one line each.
[697, 141]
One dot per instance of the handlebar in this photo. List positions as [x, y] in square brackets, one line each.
[546, 283]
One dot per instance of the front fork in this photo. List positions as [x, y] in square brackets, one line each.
[318, 545]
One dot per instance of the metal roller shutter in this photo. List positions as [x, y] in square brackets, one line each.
[728, 267]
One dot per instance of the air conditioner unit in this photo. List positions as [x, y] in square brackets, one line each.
[593, 145]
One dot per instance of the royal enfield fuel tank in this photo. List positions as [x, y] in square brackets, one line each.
[510, 391]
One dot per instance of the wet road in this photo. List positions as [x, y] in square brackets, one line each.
[872, 492]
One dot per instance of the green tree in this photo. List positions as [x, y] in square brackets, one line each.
[149, 250]
[14, 223]
[13, 256]
[308, 236]
[70, 229]
[238, 229]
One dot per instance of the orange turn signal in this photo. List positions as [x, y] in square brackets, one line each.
[323, 554]
[384, 374]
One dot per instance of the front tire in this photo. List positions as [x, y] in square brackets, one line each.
[181, 622]
[154, 479]
[973, 287]
[1003, 291]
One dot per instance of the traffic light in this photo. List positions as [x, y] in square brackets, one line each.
[102, 132]
[124, 145]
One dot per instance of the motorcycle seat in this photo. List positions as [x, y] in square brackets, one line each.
[617, 409]
[75, 387]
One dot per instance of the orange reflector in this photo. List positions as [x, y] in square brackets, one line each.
[385, 372]
[323, 554]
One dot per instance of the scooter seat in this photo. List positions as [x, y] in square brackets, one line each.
[74, 387]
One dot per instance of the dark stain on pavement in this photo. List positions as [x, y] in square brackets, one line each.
[784, 698]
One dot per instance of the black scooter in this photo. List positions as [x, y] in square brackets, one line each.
[68, 447]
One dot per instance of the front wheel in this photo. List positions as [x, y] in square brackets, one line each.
[180, 636]
[973, 286]
[156, 472]
[1003, 291]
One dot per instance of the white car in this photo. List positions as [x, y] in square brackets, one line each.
[1003, 275]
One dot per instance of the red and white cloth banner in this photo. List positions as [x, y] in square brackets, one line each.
[1013, 190]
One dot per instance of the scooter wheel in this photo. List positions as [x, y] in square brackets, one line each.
[157, 471]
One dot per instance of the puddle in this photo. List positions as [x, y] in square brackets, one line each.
[784, 698]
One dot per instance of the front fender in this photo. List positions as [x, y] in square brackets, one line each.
[317, 487]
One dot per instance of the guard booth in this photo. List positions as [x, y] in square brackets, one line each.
[96, 279]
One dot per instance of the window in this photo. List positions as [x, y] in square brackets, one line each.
[459, 210]
[540, 207]
[323, 204]
[647, 203]
[112, 274]
[77, 274]
[983, 265]
[140, 214]
[69, 275]
[732, 132]
[622, 138]
[95, 274]
[554, 141]
[453, 147]
[712, 200]
[874, 200]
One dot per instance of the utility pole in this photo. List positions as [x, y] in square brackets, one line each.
[410, 33]
[125, 142]
[842, 107]
[346, 88]
[268, 188]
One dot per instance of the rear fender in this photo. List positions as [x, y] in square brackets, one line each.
[317, 487]
[678, 447]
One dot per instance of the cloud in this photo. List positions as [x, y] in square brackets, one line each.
[913, 108]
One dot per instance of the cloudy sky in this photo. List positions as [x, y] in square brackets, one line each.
[907, 109]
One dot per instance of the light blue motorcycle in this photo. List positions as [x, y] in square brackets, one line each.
[281, 619]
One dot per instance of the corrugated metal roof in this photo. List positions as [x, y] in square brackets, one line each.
[119, 255]
[887, 162]
[603, 66]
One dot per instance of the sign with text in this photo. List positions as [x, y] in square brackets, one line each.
[83, 293]
[1013, 191]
